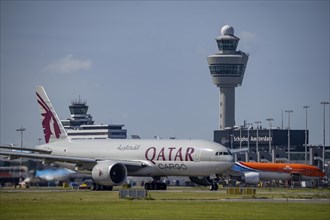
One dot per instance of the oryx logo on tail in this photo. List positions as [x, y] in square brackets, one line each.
[52, 126]
[48, 118]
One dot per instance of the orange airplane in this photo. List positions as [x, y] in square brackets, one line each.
[253, 172]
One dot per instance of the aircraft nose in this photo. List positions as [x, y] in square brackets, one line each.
[231, 158]
[232, 162]
[229, 165]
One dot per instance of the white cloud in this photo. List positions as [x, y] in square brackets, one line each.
[248, 36]
[67, 65]
[249, 42]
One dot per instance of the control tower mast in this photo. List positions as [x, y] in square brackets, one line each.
[227, 69]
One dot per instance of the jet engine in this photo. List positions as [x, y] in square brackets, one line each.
[109, 173]
[251, 178]
[204, 181]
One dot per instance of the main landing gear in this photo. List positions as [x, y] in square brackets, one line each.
[155, 185]
[212, 183]
[214, 186]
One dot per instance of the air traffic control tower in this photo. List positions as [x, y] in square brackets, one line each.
[227, 69]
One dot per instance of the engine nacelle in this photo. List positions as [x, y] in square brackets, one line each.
[251, 178]
[204, 181]
[109, 173]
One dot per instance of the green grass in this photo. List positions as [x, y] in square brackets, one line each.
[170, 205]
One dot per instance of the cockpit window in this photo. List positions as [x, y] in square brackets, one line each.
[222, 153]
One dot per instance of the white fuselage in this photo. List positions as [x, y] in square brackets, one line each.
[159, 157]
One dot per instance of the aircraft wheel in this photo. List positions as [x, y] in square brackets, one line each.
[95, 187]
[163, 186]
[214, 187]
[155, 186]
[109, 188]
[147, 186]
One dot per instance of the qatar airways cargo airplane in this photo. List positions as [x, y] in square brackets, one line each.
[110, 161]
[253, 172]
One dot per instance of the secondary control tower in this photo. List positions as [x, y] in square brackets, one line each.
[227, 69]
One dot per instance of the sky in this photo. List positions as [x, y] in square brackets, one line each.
[143, 64]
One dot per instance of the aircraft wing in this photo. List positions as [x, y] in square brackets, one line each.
[26, 149]
[50, 157]
[68, 159]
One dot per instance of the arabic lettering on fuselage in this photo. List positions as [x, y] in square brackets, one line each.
[128, 147]
[153, 154]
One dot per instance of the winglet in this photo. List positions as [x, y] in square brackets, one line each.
[52, 126]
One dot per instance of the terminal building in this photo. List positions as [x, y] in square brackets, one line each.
[245, 137]
[81, 125]
[271, 145]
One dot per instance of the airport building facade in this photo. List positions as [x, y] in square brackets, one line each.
[246, 137]
[271, 145]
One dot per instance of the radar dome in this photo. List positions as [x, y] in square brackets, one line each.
[227, 30]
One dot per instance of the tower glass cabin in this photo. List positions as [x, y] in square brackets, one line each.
[227, 68]
[79, 116]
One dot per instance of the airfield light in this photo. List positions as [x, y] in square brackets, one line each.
[323, 149]
[21, 129]
[289, 146]
[257, 142]
[270, 126]
[306, 107]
